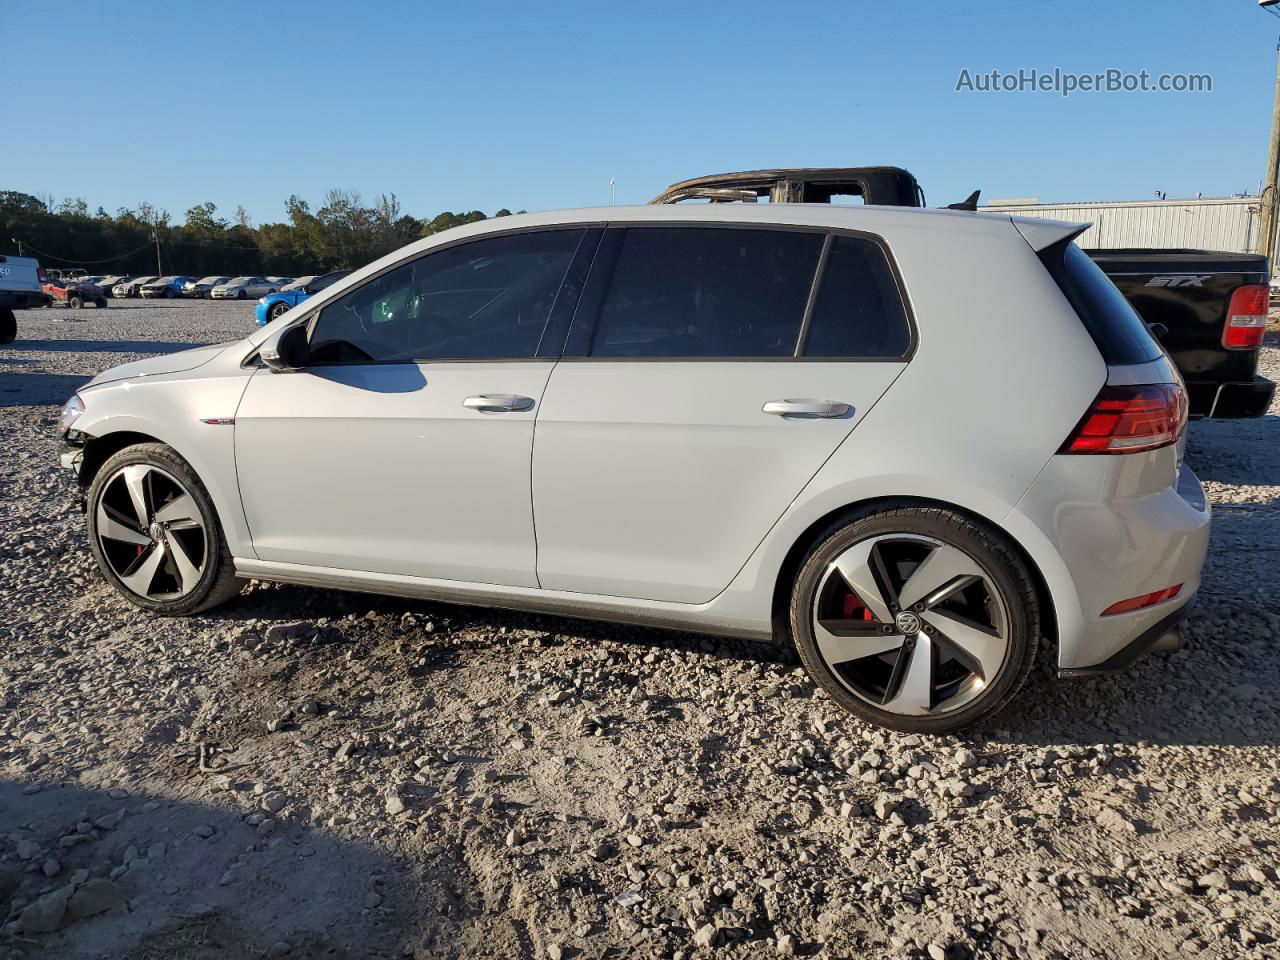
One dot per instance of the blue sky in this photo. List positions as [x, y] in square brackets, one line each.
[536, 105]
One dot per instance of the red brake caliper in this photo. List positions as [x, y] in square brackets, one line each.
[855, 609]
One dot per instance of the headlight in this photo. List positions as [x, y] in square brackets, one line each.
[71, 411]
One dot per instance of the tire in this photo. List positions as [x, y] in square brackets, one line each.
[75, 303]
[240, 295]
[956, 653]
[100, 302]
[8, 326]
[277, 311]
[191, 533]
[169, 294]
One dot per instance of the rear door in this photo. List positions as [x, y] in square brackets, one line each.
[709, 373]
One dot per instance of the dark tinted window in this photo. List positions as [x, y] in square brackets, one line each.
[707, 292]
[1115, 326]
[859, 311]
[485, 299]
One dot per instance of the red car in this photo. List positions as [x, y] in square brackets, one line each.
[74, 293]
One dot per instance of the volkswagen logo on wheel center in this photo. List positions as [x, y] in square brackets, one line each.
[907, 623]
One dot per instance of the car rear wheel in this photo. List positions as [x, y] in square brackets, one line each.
[916, 618]
[100, 302]
[8, 326]
[75, 303]
[155, 535]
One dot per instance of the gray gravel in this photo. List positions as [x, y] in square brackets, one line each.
[309, 773]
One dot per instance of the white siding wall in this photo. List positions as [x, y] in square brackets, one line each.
[1216, 223]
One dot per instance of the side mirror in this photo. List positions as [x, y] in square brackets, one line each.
[286, 351]
[1158, 330]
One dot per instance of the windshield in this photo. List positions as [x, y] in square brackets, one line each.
[238, 280]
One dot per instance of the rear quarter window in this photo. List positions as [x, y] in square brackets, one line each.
[1121, 336]
[859, 310]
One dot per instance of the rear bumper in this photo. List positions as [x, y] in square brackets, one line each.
[1224, 401]
[1164, 633]
[1105, 529]
[21, 300]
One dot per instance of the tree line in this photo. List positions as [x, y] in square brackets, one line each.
[341, 234]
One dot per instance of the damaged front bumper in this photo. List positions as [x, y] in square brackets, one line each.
[71, 456]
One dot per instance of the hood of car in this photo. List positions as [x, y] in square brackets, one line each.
[178, 362]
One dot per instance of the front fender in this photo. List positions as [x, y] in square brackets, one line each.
[174, 411]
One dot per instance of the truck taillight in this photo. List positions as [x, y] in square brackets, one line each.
[1131, 419]
[1247, 317]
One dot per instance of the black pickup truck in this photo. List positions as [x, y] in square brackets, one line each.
[1208, 309]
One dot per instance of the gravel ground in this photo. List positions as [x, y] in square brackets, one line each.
[308, 773]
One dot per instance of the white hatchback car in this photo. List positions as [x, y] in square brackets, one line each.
[919, 445]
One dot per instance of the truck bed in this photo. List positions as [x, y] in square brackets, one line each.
[1188, 292]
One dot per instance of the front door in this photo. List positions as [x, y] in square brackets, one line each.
[404, 446]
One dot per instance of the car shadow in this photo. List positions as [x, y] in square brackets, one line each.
[38, 389]
[88, 872]
[1168, 700]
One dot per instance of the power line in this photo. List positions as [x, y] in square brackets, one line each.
[50, 256]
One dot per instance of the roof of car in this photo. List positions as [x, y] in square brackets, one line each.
[873, 219]
[822, 215]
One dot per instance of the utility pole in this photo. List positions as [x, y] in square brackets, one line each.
[19, 243]
[1267, 215]
[613, 191]
[156, 234]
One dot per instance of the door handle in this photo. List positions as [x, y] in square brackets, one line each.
[807, 408]
[498, 402]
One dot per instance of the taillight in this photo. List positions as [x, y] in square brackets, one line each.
[1131, 420]
[1144, 601]
[1247, 317]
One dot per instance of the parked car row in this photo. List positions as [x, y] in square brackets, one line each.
[150, 286]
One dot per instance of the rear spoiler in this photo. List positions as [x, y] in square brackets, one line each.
[1045, 233]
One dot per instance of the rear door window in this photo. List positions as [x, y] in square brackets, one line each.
[690, 292]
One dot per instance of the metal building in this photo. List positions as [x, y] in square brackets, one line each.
[1203, 223]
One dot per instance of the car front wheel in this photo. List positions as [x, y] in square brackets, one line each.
[278, 310]
[155, 535]
[915, 618]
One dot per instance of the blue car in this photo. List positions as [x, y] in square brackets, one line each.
[274, 305]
